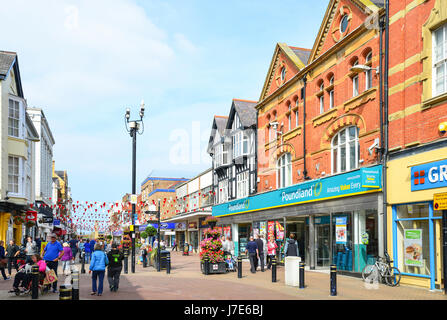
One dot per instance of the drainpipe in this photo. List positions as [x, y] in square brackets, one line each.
[385, 123]
[304, 128]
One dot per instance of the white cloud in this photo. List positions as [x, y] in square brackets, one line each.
[184, 44]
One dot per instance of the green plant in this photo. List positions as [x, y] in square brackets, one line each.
[143, 235]
[150, 231]
[109, 237]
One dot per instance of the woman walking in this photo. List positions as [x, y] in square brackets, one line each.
[3, 260]
[98, 269]
[271, 251]
[66, 259]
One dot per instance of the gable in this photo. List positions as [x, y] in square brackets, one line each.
[286, 57]
[12, 83]
[341, 18]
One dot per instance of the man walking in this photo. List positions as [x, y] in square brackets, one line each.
[260, 245]
[30, 250]
[252, 250]
[74, 247]
[114, 268]
[52, 253]
[12, 250]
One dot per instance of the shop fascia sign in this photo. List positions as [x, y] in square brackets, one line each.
[429, 175]
[355, 182]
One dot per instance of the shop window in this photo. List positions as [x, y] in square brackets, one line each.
[366, 241]
[285, 170]
[440, 60]
[412, 211]
[345, 150]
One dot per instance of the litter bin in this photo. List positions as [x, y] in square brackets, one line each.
[186, 249]
[292, 271]
[163, 259]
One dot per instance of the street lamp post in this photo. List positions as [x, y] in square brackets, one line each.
[159, 240]
[133, 127]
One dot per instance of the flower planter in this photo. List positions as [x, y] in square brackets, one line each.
[214, 267]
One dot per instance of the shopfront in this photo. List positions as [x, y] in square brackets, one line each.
[414, 224]
[335, 219]
[193, 235]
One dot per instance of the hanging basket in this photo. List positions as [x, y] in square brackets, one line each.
[18, 220]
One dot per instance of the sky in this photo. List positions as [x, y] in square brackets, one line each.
[85, 62]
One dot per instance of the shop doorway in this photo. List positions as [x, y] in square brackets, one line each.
[297, 227]
[322, 235]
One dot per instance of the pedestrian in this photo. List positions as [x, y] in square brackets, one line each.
[162, 244]
[3, 260]
[144, 252]
[260, 245]
[291, 247]
[38, 245]
[66, 259]
[53, 251]
[92, 245]
[271, 251]
[264, 243]
[114, 268]
[25, 275]
[87, 250]
[31, 248]
[253, 253]
[74, 246]
[109, 246]
[155, 244]
[11, 254]
[228, 247]
[98, 269]
[174, 246]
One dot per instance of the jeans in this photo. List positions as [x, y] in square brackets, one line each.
[87, 257]
[144, 260]
[53, 266]
[74, 251]
[12, 261]
[2, 269]
[113, 276]
[253, 261]
[28, 259]
[269, 260]
[24, 278]
[260, 260]
[98, 275]
[66, 265]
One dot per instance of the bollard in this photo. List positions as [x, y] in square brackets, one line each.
[239, 267]
[83, 262]
[126, 261]
[64, 292]
[302, 275]
[75, 285]
[168, 263]
[207, 265]
[274, 269]
[333, 280]
[35, 283]
[158, 259]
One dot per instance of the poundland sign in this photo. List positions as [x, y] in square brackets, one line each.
[429, 176]
[355, 182]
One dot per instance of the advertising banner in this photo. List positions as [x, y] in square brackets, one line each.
[271, 230]
[355, 182]
[263, 228]
[340, 230]
[413, 247]
[279, 231]
[227, 231]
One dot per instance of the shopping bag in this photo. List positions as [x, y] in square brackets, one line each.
[50, 277]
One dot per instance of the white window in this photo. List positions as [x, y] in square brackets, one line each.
[242, 185]
[321, 104]
[290, 117]
[296, 118]
[331, 99]
[14, 176]
[240, 144]
[440, 61]
[345, 150]
[14, 118]
[368, 73]
[284, 170]
[355, 86]
[223, 191]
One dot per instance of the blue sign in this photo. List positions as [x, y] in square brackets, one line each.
[163, 225]
[351, 183]
[429, 176]
[56, 222]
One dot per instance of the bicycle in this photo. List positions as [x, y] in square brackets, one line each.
[383, 270]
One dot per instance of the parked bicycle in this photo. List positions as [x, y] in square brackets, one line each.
[382, 271]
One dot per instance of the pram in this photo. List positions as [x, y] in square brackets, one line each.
[230, 263]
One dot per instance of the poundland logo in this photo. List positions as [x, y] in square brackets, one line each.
[429, 176]
[239, 206]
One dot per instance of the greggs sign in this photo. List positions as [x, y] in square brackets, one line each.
[429, 176]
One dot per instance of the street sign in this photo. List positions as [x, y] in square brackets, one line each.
[47, 219]
[440, 201]
[133, 199]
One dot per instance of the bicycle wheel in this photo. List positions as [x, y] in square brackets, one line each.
[392, 277]
[368, 270]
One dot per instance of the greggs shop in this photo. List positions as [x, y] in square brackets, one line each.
[414, 224]
[335, 219]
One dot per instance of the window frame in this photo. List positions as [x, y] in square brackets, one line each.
[284, 171]
[438, 63]
[19, 176]
[19, 120]
[336, 148]
[368, 73]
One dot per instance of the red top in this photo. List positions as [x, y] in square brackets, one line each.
[271, 248]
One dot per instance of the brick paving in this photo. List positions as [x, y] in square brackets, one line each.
[186, 282]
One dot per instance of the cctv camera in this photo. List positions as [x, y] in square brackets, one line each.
[375, 145]
[274, 124]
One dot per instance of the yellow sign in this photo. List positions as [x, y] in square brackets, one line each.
[440, 201]
[133, 199]
[131, 227]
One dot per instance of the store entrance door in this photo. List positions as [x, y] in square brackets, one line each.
[322, 243]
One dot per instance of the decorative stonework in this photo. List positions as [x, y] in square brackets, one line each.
[344, 121]
[293, 133]
[324, 117]
[360, 100]
[285, 148]
[337, 35]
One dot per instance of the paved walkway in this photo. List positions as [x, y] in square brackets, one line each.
[187, 282]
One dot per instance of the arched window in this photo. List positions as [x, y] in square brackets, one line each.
[285, 170]
[345, 150]
[283, 73]
[368, 73]
[355, 81]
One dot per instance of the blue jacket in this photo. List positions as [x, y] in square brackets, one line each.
[99, 261]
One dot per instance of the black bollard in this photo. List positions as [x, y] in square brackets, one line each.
[83, 262]
[274, 269]
[126, 261]
[35, 283]
[239, 267]
[64, 292]
[302, 275]
[168, 263]
[75, 285]
[207, 265]
[333, 280]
